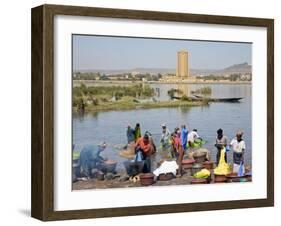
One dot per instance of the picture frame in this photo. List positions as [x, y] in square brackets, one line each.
[42, 170]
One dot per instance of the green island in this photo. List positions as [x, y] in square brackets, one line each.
[138, 96]
[206, 90]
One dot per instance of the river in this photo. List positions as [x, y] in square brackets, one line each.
[92, 128]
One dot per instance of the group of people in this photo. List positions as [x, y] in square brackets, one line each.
[181, 139]
[237, 144]
[133, 134]
[177, 143]
[143, 145]
[188, 139]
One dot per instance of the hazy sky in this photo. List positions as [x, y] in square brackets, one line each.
[102, 52]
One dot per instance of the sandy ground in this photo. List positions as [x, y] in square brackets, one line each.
[120, 182]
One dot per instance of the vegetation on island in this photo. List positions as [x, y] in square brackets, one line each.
[105, 93]
[105, 98]
[206, 90]
[173, 92]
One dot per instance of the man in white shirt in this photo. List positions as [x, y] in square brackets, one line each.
[238, 147]
[192, 136]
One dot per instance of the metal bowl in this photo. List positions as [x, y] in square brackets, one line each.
[165, 176]
[133, 168]
[109, 166]
[147, 179]
[187, 163]
[76, 170]
[199, 157]
[208, 165]
[196, 168]
[233, 177]
[220, 178]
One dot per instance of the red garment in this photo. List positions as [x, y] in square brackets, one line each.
[146, 148]
[176, 143]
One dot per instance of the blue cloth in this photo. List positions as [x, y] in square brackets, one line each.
[227, 148]
[184, 134]
[130, 135]
[241, 170]
[138, 156]
[89, 159]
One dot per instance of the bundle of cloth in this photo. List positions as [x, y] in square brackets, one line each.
[166, 167]
[202, 174]
[223, 168]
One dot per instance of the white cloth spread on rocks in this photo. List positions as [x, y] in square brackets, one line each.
[167, 167]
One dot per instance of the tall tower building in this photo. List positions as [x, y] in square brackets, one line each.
[182, 64]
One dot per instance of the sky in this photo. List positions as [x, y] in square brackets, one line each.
[114, 53]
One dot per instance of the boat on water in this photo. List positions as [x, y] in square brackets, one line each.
[209, 99]
[231, 99]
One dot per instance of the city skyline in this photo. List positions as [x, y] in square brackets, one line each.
[118, 53]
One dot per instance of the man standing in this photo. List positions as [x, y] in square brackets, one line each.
[90, 158]
[137, 132]
[238, 147]
[184, 134]
[166, 142]
[165, 137]
[178, 149]
[221, 142]
[130, 134]
[143, 145]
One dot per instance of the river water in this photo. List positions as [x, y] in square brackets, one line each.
[92, 128]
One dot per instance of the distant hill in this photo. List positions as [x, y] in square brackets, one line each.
[242, 68]
[233, 69]
[236, 68]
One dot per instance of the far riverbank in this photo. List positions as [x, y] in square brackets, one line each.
[115, 82]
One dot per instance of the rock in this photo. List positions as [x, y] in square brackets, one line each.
[94, 172]
[109, 176]
[124, 178]
[74, 178]
[116, 175]
[100, 176]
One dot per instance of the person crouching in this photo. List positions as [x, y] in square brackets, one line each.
[90, 158]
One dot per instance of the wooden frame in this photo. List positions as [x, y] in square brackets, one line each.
[42, 203]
